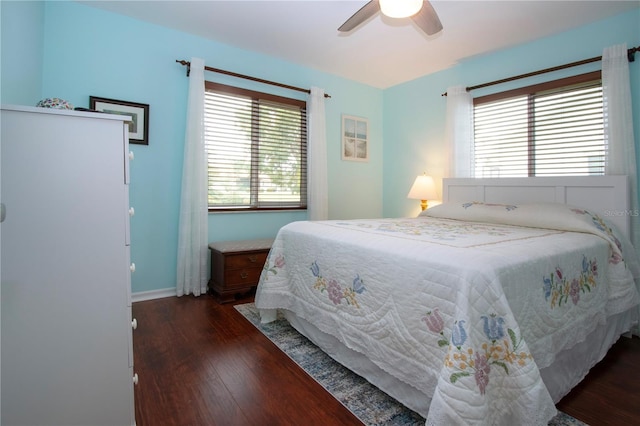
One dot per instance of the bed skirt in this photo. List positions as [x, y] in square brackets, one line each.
[560, 377]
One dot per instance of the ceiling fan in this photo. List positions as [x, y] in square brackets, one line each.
[420, 11]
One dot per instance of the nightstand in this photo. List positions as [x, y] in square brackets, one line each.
[236, 267]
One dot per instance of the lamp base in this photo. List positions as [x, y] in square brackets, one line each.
[423, 204]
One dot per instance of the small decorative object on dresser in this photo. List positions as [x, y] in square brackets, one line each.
[236, 266]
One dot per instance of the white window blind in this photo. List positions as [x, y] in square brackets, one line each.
[551, 132]
[256, 149]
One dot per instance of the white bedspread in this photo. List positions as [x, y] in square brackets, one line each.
[465, 312]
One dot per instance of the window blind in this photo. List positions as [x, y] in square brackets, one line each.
[256, 150]
[552, 132]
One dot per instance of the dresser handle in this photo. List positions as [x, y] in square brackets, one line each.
[244, 275]
[253, 258]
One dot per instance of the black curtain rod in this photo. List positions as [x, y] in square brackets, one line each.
[246, 77]
[630, 55]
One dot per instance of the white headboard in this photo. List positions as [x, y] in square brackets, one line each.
[608, 196]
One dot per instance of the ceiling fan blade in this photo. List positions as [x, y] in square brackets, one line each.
[365, 12]
[427, 19]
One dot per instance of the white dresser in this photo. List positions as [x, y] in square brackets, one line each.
[67, 350]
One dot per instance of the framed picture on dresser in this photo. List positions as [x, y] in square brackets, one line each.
[139, 113]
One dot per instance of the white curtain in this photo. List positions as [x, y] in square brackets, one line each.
[459, 133]
[193, 228]
[618, 128]
[318, 191]
[618, 125]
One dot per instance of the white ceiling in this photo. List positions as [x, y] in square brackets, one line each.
[383, 52]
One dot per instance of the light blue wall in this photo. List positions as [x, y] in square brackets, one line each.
[22, 37]
[414, 112]
[88, 51]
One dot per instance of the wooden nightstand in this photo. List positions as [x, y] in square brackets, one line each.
[236, 266]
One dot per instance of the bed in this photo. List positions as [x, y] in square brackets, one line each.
[486, 309]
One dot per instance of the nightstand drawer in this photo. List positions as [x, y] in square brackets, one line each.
[245, 260]
[241, 277]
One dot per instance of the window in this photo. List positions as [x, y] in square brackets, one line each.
[550, 129]
[256, 150]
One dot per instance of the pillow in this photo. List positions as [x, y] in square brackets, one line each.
[558, 216]
[473, 211]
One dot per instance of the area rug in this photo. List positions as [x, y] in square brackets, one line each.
[372, 406]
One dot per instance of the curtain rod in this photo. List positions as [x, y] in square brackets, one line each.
[630, 55]
[246, 77]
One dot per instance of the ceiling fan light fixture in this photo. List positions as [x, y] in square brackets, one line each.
[400, 8]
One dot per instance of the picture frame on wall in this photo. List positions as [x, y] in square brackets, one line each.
[139, 113]
[355, 138]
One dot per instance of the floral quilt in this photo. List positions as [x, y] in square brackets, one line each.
[466, 312]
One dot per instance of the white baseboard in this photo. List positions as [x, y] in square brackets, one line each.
[153, 294]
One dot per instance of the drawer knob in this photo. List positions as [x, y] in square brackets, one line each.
[131, 156]
[135, 379]
[253, 258]
[244, 275]
[132, 267]
[132, 211]
[134, 324]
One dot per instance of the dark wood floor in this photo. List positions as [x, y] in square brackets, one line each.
[201, 363]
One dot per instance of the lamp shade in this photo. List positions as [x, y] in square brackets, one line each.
[400, 8]
[423, 188]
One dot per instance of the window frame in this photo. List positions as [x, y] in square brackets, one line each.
[254, 204]
[531, 91]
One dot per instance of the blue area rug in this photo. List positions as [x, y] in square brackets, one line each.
[371, 405]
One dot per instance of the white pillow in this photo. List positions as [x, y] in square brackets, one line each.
[536, 215]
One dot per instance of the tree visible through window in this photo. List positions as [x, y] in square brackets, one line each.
[549, 129]
[256, 149]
